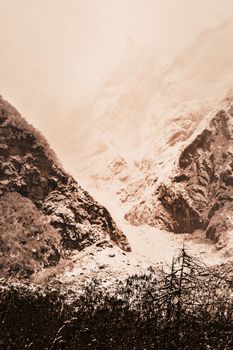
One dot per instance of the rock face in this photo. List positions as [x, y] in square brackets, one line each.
[29, 168]
[199, 194]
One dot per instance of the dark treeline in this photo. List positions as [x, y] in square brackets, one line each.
[188, 307]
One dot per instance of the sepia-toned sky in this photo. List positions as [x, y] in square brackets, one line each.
[55, 52]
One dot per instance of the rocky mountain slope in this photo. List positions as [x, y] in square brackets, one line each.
[183, 183]
[198, 193]
[147, 104]
[168, 136]
[40, 204]
[27, 242]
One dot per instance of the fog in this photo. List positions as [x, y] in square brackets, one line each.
[55, 53]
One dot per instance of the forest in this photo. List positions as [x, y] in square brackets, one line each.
[186, 305]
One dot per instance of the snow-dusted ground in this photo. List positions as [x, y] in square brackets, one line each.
[154, 245]
[151, 249]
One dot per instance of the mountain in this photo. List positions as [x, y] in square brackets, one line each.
[147, 104]
[197, 195]
[44, 212]
[107, 125]
[196, 80]
[147, 118]
[184, 178]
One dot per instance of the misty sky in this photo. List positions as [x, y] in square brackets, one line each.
[55, 52]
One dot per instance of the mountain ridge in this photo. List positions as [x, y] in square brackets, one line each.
[29, 169]
[198, 193]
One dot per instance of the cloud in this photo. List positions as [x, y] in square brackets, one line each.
[55, 52]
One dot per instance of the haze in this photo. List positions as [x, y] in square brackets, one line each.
[54, 53]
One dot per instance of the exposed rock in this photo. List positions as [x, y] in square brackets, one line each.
[200, 193]
[30, 168]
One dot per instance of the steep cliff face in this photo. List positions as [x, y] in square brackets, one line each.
[199, 193]
[30, 168]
